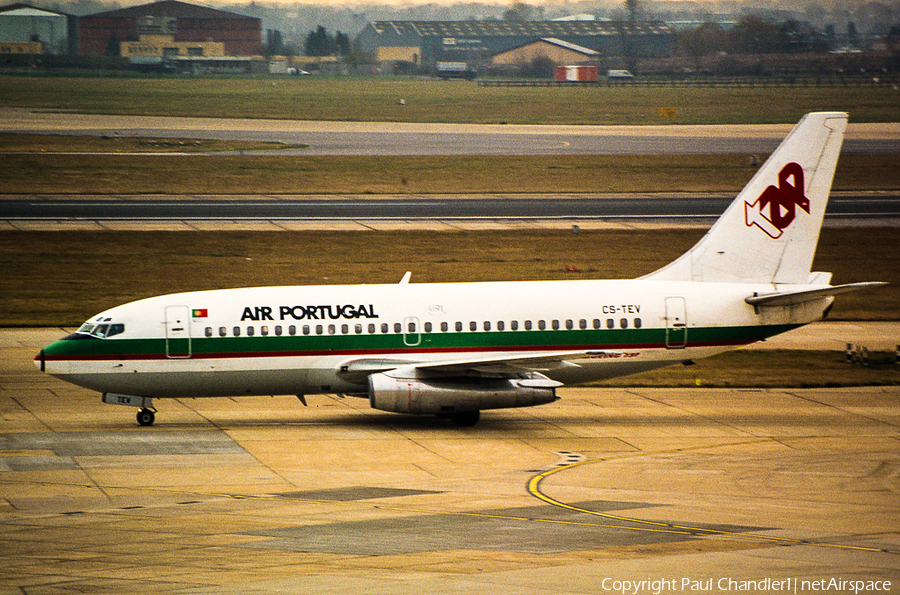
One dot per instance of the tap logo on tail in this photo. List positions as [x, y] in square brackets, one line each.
[776, 207]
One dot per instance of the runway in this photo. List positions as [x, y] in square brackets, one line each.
[393, 138]
[603, 489]
[265, 208]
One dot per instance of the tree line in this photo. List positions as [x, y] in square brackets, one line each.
[757, 35]
[317, 43]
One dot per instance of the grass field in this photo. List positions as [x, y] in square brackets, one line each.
[776, 369]
[62, 278]
[33, 164]
[378, 99]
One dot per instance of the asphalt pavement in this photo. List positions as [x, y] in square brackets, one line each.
[397, 138]
[22, 212]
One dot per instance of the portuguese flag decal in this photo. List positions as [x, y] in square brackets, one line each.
[200, 312]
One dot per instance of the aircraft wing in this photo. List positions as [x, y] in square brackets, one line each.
[787, 298]
[488, 365]
[512, 364]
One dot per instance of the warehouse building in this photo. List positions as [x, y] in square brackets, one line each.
[425, 43]
[168, 29]
[25, 29]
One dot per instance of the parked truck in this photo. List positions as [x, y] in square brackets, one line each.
[455, 70]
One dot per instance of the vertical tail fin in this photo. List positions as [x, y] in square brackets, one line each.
[770, 231]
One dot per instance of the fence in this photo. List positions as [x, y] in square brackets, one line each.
[828, 80]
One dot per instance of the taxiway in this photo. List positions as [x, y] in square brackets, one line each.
[262, 495]
[396, 138]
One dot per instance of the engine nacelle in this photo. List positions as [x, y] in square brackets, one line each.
[447, 396]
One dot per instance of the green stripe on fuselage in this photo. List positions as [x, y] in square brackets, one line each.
[397, 343]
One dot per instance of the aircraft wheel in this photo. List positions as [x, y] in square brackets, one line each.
[466, 419]
[146, 417]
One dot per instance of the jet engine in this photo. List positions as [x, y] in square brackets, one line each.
[448, 396]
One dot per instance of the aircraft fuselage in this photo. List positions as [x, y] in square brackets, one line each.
[302, 340]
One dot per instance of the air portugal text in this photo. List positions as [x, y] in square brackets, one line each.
[327, 312]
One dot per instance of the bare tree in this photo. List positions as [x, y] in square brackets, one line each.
[632, 7]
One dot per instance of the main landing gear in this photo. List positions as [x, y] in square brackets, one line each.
[465, 419]
[146, 417]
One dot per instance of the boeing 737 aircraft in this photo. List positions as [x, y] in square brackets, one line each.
[455, 349]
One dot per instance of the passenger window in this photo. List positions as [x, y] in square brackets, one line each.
[223, 332]
[264, 331]
[358, 329]
[623, 323]
[458, 327]
[582, 324]
[398, 328]
[473, 326]
[345, 329]
[638, 323]
[570, 324]
[527, 325]
[596, 323]
[384, 328]
[427, 327]
[305, 329]
[610, 323]
[501, 325]
[278, 330]
[487, 325]
[444, 327]
[319, 329]
[251, 331]
[208, 332]
[371, 329]
[411, 327]
[237, 331]
[514, 325]
[292, 330]
[331, 329]
[542, 325]
[556, 325]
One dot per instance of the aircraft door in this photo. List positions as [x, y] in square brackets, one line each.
[676, 323]
[178, 332]
[411, 334]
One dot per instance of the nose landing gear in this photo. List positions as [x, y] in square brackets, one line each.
[147, 413]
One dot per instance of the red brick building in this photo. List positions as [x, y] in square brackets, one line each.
[184, 22]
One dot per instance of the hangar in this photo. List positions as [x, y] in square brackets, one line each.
[425, 43]
[25, 29]
[178, 27]
[556, 50]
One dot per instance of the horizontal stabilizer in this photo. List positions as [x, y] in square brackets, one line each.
[788, 298]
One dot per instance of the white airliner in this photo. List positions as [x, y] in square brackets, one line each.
[454, 349]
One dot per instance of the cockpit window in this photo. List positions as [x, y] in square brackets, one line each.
[101, 331]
